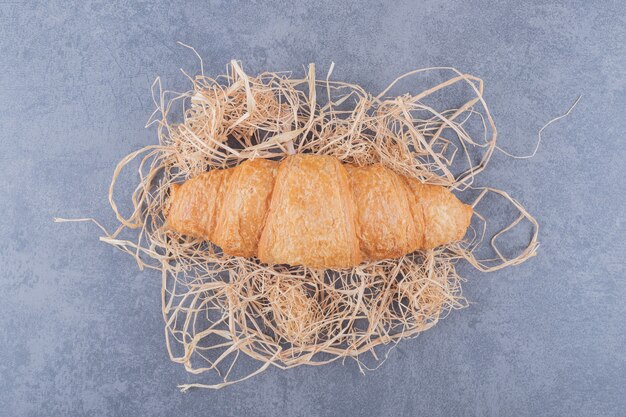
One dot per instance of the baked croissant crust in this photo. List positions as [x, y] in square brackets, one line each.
[313, 210]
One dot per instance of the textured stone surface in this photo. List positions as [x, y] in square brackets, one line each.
[81, 326]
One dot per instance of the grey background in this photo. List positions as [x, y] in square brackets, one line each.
[82, 332]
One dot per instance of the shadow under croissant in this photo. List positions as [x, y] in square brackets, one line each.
[217, 307]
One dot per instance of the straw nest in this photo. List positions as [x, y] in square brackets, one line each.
[218, 308]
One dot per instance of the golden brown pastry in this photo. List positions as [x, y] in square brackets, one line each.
[444, 217]
[312, 210]
[243, 207]
[311, 219]
[386, 227]
[227, 207]
[193, 205]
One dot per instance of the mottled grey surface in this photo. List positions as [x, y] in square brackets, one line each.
[82, 332]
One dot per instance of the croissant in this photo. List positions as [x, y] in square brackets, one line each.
[313, 210]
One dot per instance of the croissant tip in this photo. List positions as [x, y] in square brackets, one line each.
[468, 213]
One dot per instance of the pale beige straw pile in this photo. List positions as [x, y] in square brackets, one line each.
[216, 307]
